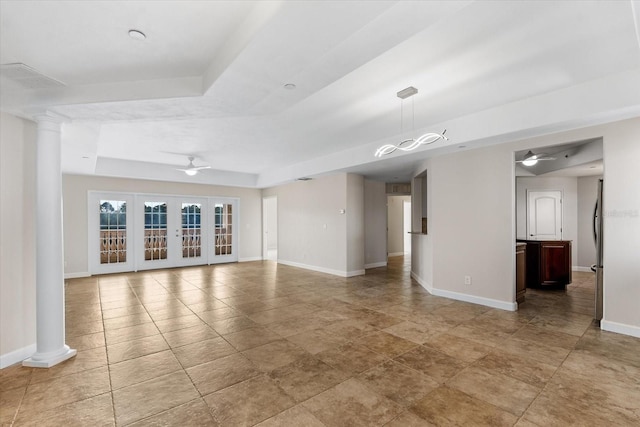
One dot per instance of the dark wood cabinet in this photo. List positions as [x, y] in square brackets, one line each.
[548, 263]
[521, 271]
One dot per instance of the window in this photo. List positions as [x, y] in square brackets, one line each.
[113, 231]
[191, 230]
[155, 230]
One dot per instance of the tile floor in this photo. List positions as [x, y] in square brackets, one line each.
[271, 345]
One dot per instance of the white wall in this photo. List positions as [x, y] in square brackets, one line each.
[17, 239]
[587, 194]
[75, 188]
[395, 232]
[355, 224]
[271, 220]
[375, 224]
[422, 244]
[472, 222]
[312, 233]
[622, 227]
[472, 225]
[569, 187]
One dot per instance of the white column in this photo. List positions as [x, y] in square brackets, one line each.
[50, 336]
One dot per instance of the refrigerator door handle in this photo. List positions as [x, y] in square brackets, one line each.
[595, 224]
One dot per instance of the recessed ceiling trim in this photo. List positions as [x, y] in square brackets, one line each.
[27, 77]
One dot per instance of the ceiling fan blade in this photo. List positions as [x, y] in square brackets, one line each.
[197, 168]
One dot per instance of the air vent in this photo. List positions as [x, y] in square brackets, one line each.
[401, 188]
[28, 78]
[304, 178]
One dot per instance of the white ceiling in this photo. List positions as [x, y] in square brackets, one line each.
[208, 80]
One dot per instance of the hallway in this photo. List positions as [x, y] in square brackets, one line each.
[261, 343]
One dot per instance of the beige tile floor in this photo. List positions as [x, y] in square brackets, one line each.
[271, 345]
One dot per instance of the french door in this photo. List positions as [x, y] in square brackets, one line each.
[160, 231]
[171, 231]
[110, 220]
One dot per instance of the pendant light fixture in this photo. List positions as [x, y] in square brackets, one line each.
[409, 144]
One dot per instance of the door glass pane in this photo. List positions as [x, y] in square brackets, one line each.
[113, 231]
[222, 224]
[191, 228]
[155, 230]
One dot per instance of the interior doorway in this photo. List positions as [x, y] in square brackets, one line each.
[398, 225]
[406, 226]
[270, 228]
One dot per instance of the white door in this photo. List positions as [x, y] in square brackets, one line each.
[171, 231]
[111, 231]
[192, 231]
[270, 228]
[544, 215]
[223, 239]
[130, 232]
[153, 222]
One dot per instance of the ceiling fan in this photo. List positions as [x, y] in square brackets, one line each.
[531, 159]
[192, 169]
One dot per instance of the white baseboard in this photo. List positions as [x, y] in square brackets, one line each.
[620, 328]
[322, 269]
[77, 275]
[493, 303]
[375, 265]
[583, 269]
[427, 286]
[251, 258]
[396, 254]
[16, 356]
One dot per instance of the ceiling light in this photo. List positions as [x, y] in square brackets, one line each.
[530, 159]
[409, 144]
[290, 86]
[137, 35]
[191, 172]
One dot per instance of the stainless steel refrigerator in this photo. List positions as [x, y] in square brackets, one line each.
[597, 238]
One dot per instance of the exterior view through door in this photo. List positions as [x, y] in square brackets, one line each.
[130, 232]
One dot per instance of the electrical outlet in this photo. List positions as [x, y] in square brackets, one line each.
[467, 280]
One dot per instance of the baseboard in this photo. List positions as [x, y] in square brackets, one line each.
[322, 269]
[251, 258]
[620, 328]
[77, 275]
[17, 356]
[583, 269]
[503, 305]
[426, 285]
[396, 254]
[493, 303]
[375, 265]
